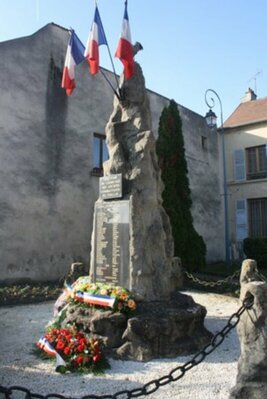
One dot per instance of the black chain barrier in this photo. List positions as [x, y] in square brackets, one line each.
[176, 374]
[227, 280]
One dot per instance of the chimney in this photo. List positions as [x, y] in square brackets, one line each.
[249, 96]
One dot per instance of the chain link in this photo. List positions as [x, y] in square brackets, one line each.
[217, 283]
[152, 386]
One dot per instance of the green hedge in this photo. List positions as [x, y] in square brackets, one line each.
[189, 245]
[256, 248]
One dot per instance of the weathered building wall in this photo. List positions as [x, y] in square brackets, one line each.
[47, 194]
[46, 156]
[205, 177]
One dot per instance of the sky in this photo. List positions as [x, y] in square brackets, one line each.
[189, 46]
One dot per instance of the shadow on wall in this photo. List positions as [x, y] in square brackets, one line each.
[55, 125]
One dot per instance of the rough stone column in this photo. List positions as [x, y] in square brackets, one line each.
[131, 146]
[251, 380]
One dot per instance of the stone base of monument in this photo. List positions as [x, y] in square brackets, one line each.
[157, 329]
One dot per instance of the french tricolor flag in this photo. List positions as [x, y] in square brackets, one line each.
[45, 345]
[74, 57]
[96, 38]
[92, 299]
[125, 49]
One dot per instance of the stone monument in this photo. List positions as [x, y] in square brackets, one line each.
[151, 272]
[132, 246]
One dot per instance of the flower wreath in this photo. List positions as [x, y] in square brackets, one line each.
[73, 349]
[119, 299]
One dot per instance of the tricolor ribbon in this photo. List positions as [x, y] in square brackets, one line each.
[93, 299]
[45, 345]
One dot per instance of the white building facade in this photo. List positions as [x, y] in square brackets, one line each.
[246, 158]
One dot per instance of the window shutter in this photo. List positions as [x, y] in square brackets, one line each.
[241, 220]
[239, 165]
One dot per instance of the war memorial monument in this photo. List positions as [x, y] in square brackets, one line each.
[132, 244]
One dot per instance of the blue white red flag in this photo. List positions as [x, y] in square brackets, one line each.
[125, 49]
[74, 56]
[100, 300]
[45, 345]
[96, 38]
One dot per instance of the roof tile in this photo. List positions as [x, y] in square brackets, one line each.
[247, 113]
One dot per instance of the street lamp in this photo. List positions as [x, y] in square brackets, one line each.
[211, 119]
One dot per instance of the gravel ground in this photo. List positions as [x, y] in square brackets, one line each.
[22, 325]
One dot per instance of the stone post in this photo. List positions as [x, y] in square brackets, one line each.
[251, 380]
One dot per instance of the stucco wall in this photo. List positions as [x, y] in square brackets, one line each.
[205, 177]
[241, 138]
[46, 156]
[47, 195]
[237, 139]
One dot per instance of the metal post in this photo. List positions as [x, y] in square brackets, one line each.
[225, 190]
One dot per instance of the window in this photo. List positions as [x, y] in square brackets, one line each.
[257, 213]
[239, 165]
[241, 220]
[256, 162]
[100, 153]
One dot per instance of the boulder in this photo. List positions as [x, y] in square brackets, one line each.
[156, 329]
[165, 329]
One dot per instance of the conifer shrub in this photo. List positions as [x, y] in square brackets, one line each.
[188, 244]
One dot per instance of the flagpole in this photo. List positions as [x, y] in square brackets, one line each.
[113, 67]
[114, 91]
[114, 71]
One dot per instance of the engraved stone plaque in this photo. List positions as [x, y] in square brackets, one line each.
[111, 186]
[110, 263]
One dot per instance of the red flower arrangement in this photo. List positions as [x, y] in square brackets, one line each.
[79, 351]
[73, 349]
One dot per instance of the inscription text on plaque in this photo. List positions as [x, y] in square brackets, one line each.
[111, 186]
[111, 243]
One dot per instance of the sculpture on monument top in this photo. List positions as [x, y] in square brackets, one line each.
[131, 146]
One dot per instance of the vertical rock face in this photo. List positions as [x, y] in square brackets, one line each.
[131, 146]
[251, 380]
